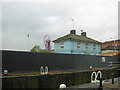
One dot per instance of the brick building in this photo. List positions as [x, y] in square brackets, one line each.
[110, 48]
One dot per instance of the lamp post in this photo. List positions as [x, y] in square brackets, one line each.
[28, 40]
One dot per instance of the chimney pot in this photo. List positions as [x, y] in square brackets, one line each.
[83, 34]
[72, 31]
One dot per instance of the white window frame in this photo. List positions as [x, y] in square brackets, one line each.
[94, 46]
[78, 44]
[87, 46]
[62, 45]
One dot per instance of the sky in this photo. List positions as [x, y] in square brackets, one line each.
[99, 18]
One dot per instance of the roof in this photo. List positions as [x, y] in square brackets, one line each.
[111, 48]
[76, 38]
[111, 41]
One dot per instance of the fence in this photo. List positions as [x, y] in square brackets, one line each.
[18, 62]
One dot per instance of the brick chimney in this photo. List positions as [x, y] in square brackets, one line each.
[72, 31]
[83, 34]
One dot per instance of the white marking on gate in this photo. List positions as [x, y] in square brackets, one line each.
[99, 72]
[46, 70]
[96, 75]
[43, 71]
[93, 81]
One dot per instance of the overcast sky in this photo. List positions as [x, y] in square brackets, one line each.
[99, 18]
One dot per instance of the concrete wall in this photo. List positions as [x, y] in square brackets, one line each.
[71, 47]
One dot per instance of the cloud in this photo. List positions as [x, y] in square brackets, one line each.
[98, 19]
[0, 25]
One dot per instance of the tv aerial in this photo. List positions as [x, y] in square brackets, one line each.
[72, 22]
[47, 42]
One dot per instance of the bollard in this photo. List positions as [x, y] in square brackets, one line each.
[100, 82]
[112, 78]
[62, 86]
[5, 72]
[91, 67]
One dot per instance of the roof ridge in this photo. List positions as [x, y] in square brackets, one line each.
[76, 37]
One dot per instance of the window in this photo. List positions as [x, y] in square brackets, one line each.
[94, 46]
[62, 45]
[78, 44]
[87, 46]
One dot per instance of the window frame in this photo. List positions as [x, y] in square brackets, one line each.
[87, 46]
[62, 45]
[94, 46]
[78, 45]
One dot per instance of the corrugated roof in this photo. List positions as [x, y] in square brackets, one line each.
[76, 38]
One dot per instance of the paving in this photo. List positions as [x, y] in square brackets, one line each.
[106, 85]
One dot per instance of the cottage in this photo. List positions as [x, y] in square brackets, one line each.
[77, 44]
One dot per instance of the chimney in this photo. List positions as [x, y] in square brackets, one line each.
[83, 34]
[72, 31]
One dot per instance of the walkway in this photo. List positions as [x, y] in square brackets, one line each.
[107, 85]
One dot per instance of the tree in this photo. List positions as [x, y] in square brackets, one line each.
[37, 48]
[44, 51]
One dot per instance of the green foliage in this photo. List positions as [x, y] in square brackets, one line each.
[37, 48]
[44, 51]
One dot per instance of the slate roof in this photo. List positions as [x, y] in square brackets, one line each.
[76, 38]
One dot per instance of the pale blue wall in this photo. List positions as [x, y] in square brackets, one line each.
[67, 47]
[72, 46]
